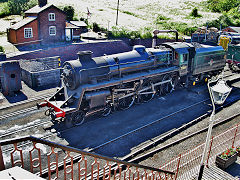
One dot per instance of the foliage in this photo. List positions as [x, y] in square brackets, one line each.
[4, 10]
[224, 20]
[160, 18]
[19, 6]
[194, 13]
[85, 20]
[228, 153]
[69, 10]
[1, 49]
[189, 30]
[96, 27]
[129, 13]
[222, 5]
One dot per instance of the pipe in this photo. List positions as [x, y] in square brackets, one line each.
[156, 32]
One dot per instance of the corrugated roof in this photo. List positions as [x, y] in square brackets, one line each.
[23, 22]
[237, 29]
[78, 23]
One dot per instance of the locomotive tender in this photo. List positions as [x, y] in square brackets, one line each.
[117, 81]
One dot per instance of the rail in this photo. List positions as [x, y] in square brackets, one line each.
[186, 165]
[32, 158]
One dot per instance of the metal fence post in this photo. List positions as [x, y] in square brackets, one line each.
[2, 166]
[178, 166]
[210, 149]
[235, 136]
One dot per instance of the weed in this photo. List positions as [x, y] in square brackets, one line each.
[160, 19]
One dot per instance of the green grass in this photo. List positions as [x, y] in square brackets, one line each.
[161, 19]
[130, 13]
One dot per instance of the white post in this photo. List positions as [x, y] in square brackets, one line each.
[206, 147]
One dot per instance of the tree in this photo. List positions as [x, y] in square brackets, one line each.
[69, 10]
[19, 6]
[1, 49]
[96, 27]
[194, 13]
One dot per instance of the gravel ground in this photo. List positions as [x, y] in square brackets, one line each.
[33, 66]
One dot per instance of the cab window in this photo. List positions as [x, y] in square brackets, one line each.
[183, 58]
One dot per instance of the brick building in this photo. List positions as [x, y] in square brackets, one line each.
[43, 23]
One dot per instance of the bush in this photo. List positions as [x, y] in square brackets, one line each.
[194, 13]
[4, 10]
[189, 30]
[19, 6]
[1, 49]
[222, 5]
[96, 27]
[223, 20]
[160, 18]
[69, 10]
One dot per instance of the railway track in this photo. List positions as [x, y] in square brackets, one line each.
[166, 135]
[9, 115]
[175, 132]
[42, 123]
[25, 102]
[133, 156]
[12, 132]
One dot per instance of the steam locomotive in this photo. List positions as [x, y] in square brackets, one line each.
[116, 82]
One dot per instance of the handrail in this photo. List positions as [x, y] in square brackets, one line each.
[67, 148]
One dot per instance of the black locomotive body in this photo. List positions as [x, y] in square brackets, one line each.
[106, 83]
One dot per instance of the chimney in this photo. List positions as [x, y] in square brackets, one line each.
[42, 3]
[84, 56]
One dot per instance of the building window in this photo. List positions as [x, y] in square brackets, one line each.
[28, 33]
[51, 16]
[52, 30]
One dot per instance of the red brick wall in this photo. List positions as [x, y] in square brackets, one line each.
[12, 37]
[44, 25]
[20, 32]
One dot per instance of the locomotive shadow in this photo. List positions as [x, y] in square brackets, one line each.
[96, 131]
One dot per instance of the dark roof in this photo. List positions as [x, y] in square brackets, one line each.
[79, 23]
[37, 9]
[23, 22]
[75, 24]
[176, 45]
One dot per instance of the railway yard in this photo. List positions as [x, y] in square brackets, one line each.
[149, 134]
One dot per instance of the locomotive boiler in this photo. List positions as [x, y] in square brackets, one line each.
[112, 82]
